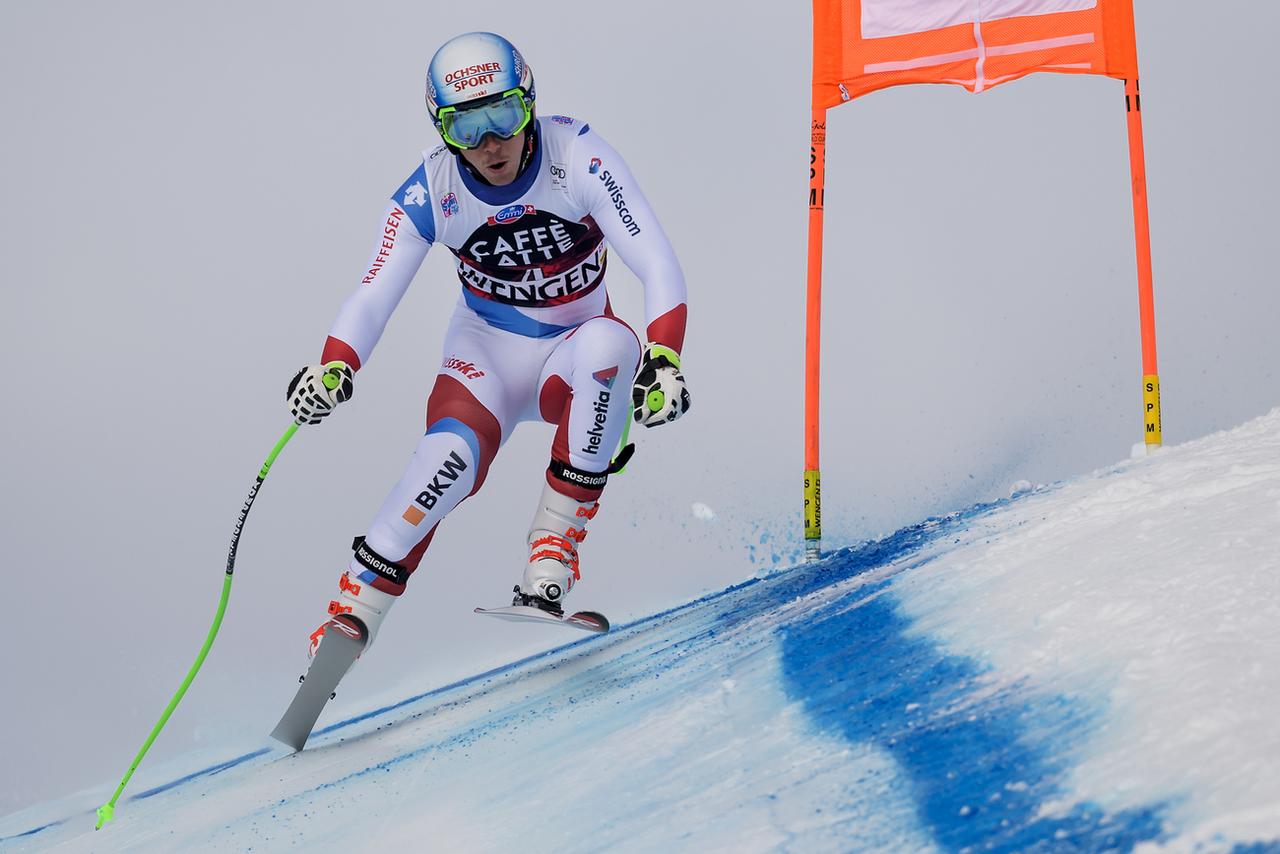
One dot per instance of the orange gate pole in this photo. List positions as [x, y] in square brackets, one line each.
[1152, 429]
[813, 339]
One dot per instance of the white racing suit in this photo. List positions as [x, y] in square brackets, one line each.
[532, 336]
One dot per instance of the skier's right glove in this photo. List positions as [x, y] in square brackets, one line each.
[659, 394]
[317, 389]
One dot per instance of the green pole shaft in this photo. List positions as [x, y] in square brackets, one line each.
[626, 433]
[106, 812]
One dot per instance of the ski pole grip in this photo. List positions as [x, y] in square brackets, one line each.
[331, 377]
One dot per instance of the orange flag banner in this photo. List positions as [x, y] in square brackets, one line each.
[863, 45]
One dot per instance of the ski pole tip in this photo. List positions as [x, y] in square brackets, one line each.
[106, 812]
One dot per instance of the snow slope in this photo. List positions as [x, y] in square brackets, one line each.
[1088, 666]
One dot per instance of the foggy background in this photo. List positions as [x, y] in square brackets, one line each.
[188, 192]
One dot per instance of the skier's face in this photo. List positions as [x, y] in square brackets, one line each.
[498, 160]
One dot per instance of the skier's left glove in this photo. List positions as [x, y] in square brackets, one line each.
[659, 394]
[317, 389]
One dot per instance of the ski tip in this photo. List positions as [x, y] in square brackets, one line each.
[591, 620]
[290, 740]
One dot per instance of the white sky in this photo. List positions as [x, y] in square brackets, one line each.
[189, 192]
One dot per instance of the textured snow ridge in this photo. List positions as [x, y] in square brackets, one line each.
[1086, 667]
[1153, 590]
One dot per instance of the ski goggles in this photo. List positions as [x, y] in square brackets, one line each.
[504, 117]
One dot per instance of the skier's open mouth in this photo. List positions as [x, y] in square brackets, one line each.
[498, 167]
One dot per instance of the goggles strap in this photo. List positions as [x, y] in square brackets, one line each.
[530, 146]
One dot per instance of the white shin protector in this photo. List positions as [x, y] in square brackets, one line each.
[558, 526]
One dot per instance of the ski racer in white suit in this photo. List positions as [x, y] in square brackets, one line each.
[530, 208]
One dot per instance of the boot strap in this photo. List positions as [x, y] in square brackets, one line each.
[378, 564]
[578, 477]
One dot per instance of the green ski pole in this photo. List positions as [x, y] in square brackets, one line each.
[107, 811]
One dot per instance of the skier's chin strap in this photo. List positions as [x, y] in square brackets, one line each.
[526, 155]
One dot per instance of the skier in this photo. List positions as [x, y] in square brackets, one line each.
[527, 206]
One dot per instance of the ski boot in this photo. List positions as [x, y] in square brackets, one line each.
[360, 607]
[558, 527]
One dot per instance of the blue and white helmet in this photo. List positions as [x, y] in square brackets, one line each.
[474, 66]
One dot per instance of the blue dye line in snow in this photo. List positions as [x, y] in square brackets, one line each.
[979, 767]
[163, 787]
[33, 831]
[204, 772]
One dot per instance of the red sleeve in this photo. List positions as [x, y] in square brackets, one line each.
[668, 329]
[337, 350]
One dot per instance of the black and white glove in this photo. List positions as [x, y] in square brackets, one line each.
[316, 389]
[659, 394]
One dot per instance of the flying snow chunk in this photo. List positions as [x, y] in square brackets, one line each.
[702, 512]
[1021, 487]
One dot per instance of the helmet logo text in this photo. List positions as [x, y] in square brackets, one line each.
[473, 75]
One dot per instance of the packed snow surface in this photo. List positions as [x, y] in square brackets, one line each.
[1088, 666]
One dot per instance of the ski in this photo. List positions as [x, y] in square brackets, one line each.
[589, 621]
[342, 644]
